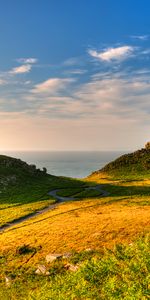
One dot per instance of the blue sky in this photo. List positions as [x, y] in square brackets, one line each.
[74, 75]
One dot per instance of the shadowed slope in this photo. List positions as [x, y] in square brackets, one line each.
[133, 165]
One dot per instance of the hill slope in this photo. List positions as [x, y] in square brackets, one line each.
[83, 229]
[19, 181]
[134, 165]
[24, 183]
[17, 169]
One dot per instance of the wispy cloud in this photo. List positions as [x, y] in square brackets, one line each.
[111, 54]
[52, 85]
[30, 60]
[3, 82]
[145, 51]
[21, 69]
[104, 91]
[144, 37]
[112, 97]
[71, 61]
[75, 71]
[25, 67]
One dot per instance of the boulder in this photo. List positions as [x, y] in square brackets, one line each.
[71, 267]
[67, 255]
[88, 249]
[51, 257]
[41, 270]
[8, 280]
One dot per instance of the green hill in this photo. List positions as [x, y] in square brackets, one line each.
[21, 182]
[24, 183]
[83, 232]
[13, 169]
[133, 165]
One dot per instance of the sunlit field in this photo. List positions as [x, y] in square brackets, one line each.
[94, 223]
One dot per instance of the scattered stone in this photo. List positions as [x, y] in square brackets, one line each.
[8, 280]
[51, 257]
[41, 270]
[89, 249]
[67, 255]
[71, 267]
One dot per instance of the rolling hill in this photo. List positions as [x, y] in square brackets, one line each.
[133, 165]
[103, 241]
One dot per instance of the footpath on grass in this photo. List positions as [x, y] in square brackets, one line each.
[59, 199]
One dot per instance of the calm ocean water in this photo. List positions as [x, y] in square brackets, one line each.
[72, 164]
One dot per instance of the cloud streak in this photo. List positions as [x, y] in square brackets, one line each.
[144, 37]
[25, 67]
[30, 60]
[52, 85]
[20, 70]
[113, 54]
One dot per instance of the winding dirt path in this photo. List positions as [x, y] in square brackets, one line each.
[59, 199]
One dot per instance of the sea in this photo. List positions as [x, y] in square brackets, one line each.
[76, 164]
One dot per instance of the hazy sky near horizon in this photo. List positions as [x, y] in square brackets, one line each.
[74, 75]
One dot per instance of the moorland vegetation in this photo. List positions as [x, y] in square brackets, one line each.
[103, 239]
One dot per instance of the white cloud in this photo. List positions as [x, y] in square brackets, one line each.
[144, 37]
[145, 52]
[21, 69]
[71, 61]
[52, 85]
[106, 98]
[76, 71]
[110, 54]
[25, 67]
[30, 60]
[27, 82]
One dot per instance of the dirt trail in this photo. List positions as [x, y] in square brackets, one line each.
[59, 199]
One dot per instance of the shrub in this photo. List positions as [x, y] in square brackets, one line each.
[25, 249]
[147, 146]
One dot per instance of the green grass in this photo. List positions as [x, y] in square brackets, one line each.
[35, 189]
[24, 189]
[121, 273]
[22, 183]
[118, 189]
[25, 198]
[88, 194]
[78, 193]
[69, 192]
[134, 165]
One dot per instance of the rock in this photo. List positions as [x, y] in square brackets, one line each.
[8, 280]
[88, 249]
[51, 257]
[67, 255]
[41, 270]
[71, 267]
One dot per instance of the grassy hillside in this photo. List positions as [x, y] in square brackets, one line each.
[108, 237]
[25, 188]
[122, 273]
[17, 178]
[133, 165]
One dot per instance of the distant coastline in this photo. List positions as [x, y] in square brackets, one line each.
[77, 164]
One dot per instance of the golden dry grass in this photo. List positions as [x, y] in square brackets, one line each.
[8, 214]
[79, 225]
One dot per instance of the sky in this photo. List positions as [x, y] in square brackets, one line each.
[74, 75]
